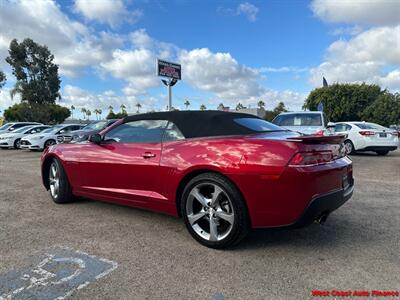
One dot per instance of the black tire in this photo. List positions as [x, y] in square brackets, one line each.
[349, 146]
[382, 152]
[49, 143]
[17, 144]
[239, 228]
[64, 194]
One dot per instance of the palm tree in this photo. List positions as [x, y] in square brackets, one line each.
[138, 105]
[100, 111]
[88, 113]
[221, 106]
[203, 107]
[239, 106]
[96, 112]
[83, 111]
[187, 104]
[110, 108]
[123, 108]
[72, 111]
[261, 104]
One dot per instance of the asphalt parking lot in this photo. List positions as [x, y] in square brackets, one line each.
[136, 254]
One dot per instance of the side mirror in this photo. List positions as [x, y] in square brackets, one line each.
[95, 138]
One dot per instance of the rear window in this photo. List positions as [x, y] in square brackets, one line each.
[365, 126]
[257, 125]
[298, 120]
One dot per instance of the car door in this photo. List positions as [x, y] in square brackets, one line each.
[124, 167]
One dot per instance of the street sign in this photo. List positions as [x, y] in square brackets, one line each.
[168, 69]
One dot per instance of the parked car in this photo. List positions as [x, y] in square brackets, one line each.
[84, 133]
[48, 137]
[364, 136]
[9, 127]
[13, 139]
[223, 172]
[306, 122]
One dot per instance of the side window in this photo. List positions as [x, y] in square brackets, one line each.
[348, 127]
[143, 131]
[342, 127]
[172, 133]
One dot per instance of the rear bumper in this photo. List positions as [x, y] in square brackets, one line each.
[323, 205]
[378, 148]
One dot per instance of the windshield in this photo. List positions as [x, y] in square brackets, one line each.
[22, 129]
[51, 129]
[6, 126]
[95, 125]
[303, 119]
[258, 125]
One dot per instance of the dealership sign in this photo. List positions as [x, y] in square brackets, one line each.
[169, 69]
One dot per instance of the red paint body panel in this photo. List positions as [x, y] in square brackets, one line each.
[275, 194]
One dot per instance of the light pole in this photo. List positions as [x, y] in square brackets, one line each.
[169, 83]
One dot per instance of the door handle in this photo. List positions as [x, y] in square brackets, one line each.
[148, 155]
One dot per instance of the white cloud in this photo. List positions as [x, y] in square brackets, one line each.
[350, 30]
[365, 57]
[80, 98]
[219, 73]
[72, 43]
[111, 12]
[285, 69]
[5, 99]
[368, 12]
[249, 10]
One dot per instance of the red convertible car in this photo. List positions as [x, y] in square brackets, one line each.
[224, 173]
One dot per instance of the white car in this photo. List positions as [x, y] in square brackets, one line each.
[13, 138]
[9, 127]
[364, 136]
[306, 122]
[47, 137]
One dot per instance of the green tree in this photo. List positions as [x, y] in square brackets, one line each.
[385, 110]
[271, 114]
[240, 106]
[46, 114]
[83, 111]
[36, 74]
[72, 108]
[88, 113]
[343, 102]
[2, 79]
[261, 104]
[138, 105]
[203, 107]
[123, 108]
[187, 104]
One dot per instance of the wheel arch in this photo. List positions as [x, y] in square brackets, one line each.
[192, 174]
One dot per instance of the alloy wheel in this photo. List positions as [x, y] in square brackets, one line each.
[210, 212]
[54, 179]
[349, 147]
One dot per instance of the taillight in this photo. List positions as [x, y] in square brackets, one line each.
[306, 159]
[367, 133]
[396, 133]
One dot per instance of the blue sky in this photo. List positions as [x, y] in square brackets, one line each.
[231, 51]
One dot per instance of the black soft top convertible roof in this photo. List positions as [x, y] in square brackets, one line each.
[200, 123]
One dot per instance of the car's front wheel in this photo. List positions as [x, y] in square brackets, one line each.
[17, 144]
[59, 186]
[214, 211]
[49, 143]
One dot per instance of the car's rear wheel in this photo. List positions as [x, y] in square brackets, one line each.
[17, 144]
[349, 147]
[382, 152]
[214, 211]
[49, 143]
[59, 186]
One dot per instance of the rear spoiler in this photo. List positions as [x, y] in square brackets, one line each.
[315, 139]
